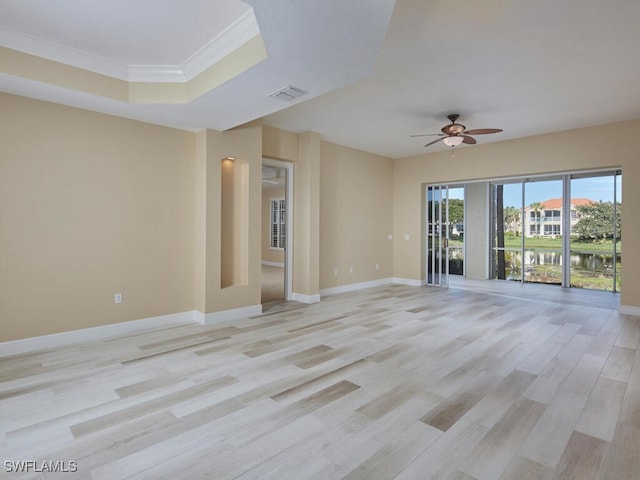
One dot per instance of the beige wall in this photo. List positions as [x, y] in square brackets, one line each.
[582, 149]
[356, 208]
[234, 222]
[303, 150]
[91, 205]
[245, 145]
[269, 254]
[306, 216]
[338, 222]
[279, 144]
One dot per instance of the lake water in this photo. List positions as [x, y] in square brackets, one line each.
[588, 270]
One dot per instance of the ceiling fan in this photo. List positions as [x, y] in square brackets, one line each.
[455, 133]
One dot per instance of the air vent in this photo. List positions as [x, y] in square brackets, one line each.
[288, 93]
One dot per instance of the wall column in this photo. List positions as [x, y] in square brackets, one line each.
[306, 213]
[242, 297]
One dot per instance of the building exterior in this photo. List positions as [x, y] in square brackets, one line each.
[544, 219]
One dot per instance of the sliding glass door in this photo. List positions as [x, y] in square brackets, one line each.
[507, 231]
[542, 260]
[444, 233]
[596, 231]
[540, 222]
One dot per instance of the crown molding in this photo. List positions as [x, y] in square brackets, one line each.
[230, 39]
[156, 74]
[62, 54]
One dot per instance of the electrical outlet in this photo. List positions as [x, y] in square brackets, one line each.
[377, 266]
[407, 236]
[350, 269]
[389, 237]
[335, 272]
[118, 298]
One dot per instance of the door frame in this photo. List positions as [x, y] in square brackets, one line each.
[288, 198]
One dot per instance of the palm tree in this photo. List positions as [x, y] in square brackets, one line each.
[537, 207]
[511, 216]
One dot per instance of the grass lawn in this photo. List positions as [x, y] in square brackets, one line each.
[556, 244]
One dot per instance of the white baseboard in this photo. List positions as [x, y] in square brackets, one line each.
[233, 314]
[272, 264]
[25, 345]
[408, 281]
[352, 287]
[301, 297]
[629, 310]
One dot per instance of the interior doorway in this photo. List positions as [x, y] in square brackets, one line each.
[276, 251]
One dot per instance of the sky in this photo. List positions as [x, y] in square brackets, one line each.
[593, 188]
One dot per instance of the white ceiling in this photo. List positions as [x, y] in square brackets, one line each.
[375, 74]
[152, 32]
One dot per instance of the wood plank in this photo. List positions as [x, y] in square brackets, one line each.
[619, 363]
[600, 414]
[522, 468]
[503, 440]
[145, 408]
[451, 410]
[394, 457]
[339, 388]
[621, 458]
[548, 438]
[585, 374]
[445, 454]
[582, 459]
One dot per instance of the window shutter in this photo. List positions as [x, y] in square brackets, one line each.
[278, 223]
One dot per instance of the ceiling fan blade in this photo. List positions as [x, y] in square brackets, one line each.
[482, 131]
[435, 141]
[428, 135]
[469, 140]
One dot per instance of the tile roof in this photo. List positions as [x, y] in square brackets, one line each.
[556, 203]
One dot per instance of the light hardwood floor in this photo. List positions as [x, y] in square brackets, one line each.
[392, 382]
[272, 284]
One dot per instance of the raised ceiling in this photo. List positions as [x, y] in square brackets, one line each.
[376, 71]
[318, 46]
[120, 38]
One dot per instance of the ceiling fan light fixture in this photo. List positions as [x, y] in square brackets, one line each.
[453, 141]
[454, 133]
